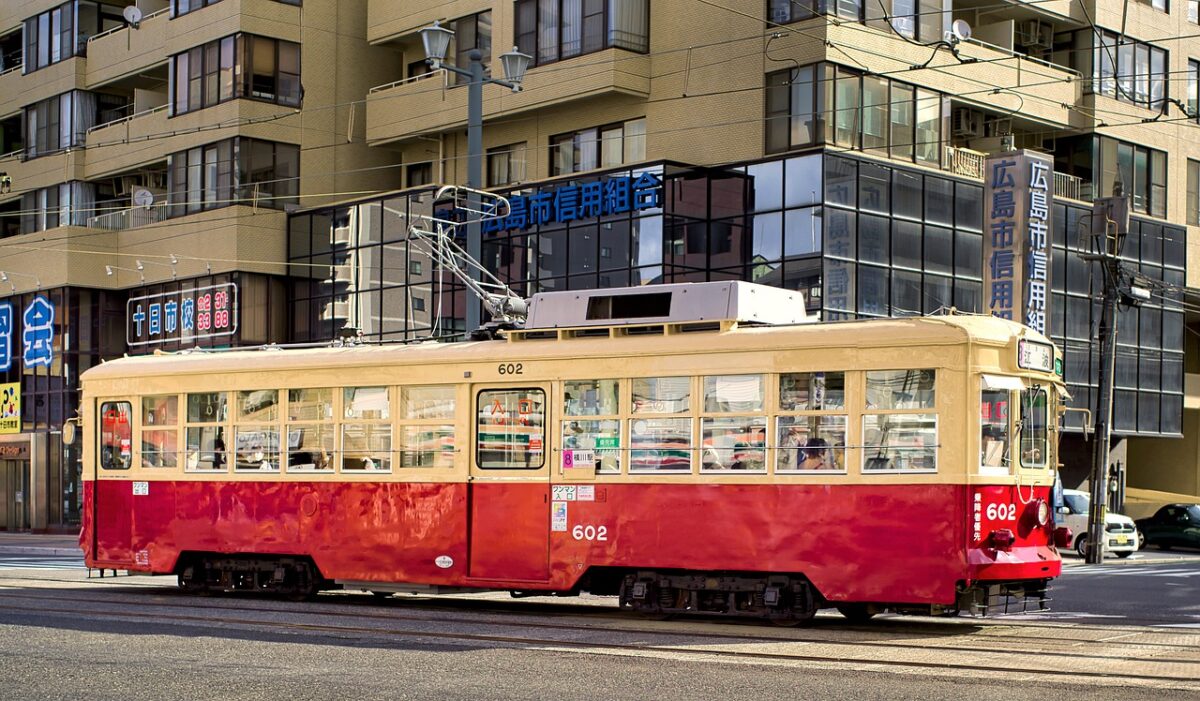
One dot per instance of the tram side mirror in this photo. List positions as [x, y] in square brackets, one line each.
[1064, 510]
[70, 431]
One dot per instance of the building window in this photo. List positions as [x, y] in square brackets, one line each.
[553, 30]
[62, 32]
[598, 147]
[506, 165]
[1193, 11]
[66, 204]
[860, 112]
[924, 20]
[470, 33]
[207, 75]
[419, 174]
[1141, 171]
[234, 171]
[1131, 71]
[1193, 192]
[183, 7]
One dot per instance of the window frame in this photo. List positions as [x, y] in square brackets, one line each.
[622, 411]
[331, 421]
[128, 460]
[778, 413]
[529, 39]
[923, 412]
[400, 445]
[144, 427]
[586, 146]
[191, 78]
[388, 422]
[221, 425]
[476, 433]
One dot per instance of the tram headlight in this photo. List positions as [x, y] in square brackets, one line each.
[1043, 513]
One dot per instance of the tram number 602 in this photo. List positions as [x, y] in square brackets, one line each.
[1001, 512]
[590, 532]
[511, 368]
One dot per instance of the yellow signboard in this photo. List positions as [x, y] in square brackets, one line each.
[10, 408]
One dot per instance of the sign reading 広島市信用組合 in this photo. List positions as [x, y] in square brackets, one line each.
[571, 202]
[1017, 207]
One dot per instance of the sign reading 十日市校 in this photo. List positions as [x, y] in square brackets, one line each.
[185, 315]
[571, 202]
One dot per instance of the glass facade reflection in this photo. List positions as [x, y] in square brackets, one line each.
[862, 238]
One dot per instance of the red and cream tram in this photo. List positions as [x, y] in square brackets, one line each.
[686, 448]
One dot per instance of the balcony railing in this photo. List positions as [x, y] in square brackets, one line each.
[964, 161]
[424, 76]
[1071, 186]
[129, 218]
[121, 27]
[128, 118]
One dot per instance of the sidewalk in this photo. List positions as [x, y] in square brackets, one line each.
[39, 544]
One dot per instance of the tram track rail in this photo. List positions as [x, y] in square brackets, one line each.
[673, 641]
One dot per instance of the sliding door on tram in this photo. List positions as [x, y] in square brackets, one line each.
[510, 483]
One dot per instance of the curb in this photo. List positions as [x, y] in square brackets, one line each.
[1121, 562]
[23, 550]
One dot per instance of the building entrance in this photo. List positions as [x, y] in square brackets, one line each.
[14, 495]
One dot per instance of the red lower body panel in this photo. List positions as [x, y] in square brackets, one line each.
[895, 544]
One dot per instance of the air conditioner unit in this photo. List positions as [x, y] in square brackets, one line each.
[967, 123]
[1035, 34]
[997, 126]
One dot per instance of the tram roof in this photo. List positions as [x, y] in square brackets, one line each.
[874, 333]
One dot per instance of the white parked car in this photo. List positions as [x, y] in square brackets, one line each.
[1121, 533]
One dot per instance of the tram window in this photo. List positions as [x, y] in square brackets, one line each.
[367, 439]
[206, 441]
[258, 406]
[366, 446]
[662, 395]
[810, 443]
[590, 397]
[993, 419]
[256, 448]
[899, 442]
[812, 391]
[310, 404]
[310, 434]
[733, 443]
[160, 431]
[733, 393]
[116, 436]
[601, 436]
[900, 389]
[510, 429]
[426, 439]
[658, 445]
[429, 402]
[207, 407]
[427, 446]
[367, 403]
[1034, 428]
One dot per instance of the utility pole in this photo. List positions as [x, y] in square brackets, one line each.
[1110, 225]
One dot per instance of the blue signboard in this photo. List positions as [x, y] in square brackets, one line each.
[182, 316]
[38, 335]
[6, 329]
[567, 203]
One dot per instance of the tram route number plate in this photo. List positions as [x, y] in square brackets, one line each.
[578, 458]
[141, 489]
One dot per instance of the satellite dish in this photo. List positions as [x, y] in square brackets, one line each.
[961, 30]
[132, 15]
[143, 198]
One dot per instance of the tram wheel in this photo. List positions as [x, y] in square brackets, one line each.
[856, 613]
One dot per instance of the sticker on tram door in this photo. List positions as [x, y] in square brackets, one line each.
[142, 557]
[585, 492]
[563, 492]
[558, 516]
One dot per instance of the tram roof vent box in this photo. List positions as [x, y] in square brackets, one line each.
[741, 302]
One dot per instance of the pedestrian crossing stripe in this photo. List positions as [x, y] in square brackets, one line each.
[1126, 571]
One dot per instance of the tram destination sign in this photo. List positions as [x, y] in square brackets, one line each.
[1018, 203]
[575, 201]
[183, 315]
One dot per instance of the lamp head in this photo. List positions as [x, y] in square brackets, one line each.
[436, 40]
[515, 65]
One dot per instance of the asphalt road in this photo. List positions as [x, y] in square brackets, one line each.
[66, 636]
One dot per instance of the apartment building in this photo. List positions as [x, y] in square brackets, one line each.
[276, 153]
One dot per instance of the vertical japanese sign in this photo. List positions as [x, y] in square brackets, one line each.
[6, 331]
[185, 315]
[1018, 203]
[38, 334]
[10, 408]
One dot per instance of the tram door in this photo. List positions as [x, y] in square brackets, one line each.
[112, 499]
[510, 483]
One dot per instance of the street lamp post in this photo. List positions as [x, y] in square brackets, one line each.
[515, 63]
